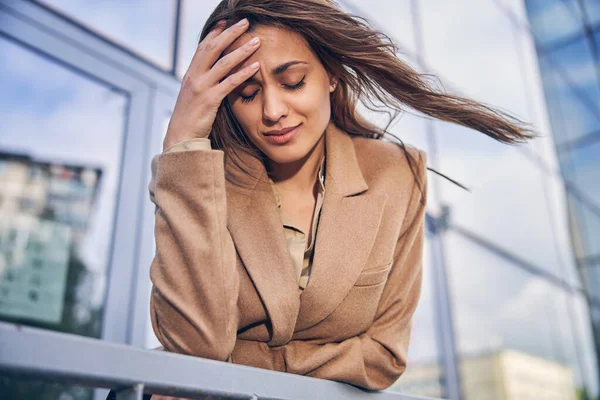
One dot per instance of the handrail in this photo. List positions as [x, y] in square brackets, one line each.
[27, 352]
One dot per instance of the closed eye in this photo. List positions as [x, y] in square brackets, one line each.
[297, 86]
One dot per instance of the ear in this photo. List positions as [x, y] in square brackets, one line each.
[333, 82]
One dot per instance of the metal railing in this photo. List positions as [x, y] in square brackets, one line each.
[27, 352]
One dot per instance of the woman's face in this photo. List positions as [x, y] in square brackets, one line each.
[291, 88]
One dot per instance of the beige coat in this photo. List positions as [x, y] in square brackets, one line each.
[224, 285]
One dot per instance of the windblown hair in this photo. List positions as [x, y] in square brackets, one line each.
[369, 72]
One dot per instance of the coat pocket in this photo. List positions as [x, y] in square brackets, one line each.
[374, 276]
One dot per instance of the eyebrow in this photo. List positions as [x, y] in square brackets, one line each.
[280, 69]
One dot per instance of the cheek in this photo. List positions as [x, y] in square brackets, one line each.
[312, 101]
[247, 115]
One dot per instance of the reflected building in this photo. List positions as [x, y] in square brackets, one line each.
[44, 214]
[514, 260]
[502, 374]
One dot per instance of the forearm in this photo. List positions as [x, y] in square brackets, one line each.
[195, 282]
[360, 361]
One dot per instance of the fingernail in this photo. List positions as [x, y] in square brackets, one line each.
[254, 41]
[242, 22]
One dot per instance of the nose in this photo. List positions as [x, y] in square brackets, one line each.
[274, 106]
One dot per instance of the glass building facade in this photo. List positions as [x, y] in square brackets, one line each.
[570, 67]
[511, 290]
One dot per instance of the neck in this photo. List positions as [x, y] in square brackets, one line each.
[299, 177]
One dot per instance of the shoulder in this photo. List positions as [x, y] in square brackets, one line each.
[380, 159]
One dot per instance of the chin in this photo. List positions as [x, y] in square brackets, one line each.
[286, 156]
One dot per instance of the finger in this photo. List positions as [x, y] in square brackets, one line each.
[216, 46]
[232, 60]
[219, 27]
[216, 31]
[234, 80]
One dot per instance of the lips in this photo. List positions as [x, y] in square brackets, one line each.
[281, 132]
[283, 138]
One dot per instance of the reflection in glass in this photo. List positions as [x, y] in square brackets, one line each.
[508, 205]
[423, 375]
[576, 70]
[60, 149]
[584, 340]
[397, 24]
[564, 108]
[592, 9]
[482, 55]
[558, 217]
[193, 17]
[584, 170]
[144, 27]
[513, 328]
[553, 20]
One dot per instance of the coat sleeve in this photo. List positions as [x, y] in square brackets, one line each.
[378, 357]
[193, 303]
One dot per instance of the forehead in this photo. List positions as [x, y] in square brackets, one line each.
[277, 44]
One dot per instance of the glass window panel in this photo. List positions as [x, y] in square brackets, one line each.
[584, 170]
[592, 231]
[592, 9]
[423, 375]
[393, 17]
[559, 219]
[498, 64]
[591, 277]
[535, 109]
[568, 112]
[584, 340]
[576, 72]
[61, 140]
[553, 20]
[144, 27]
[512, 327]
[193, 17]
[508, 205]
[516, 8]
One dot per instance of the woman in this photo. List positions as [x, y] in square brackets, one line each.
[289, 237]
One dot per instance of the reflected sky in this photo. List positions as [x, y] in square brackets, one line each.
[552, 20]
[584, 170]
[498, 306]
[572, 75]
[193, 17]
[398, 24]
[509, 203]
[481, 54]
[144, 27]
[592, 8]
[57, 115]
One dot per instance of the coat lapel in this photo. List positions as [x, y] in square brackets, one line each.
[257, 231]
[347, 229]
[349, 223]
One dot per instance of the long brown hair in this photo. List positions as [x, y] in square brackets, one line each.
[365, 62]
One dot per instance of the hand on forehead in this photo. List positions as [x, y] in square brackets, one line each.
[277, 46]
